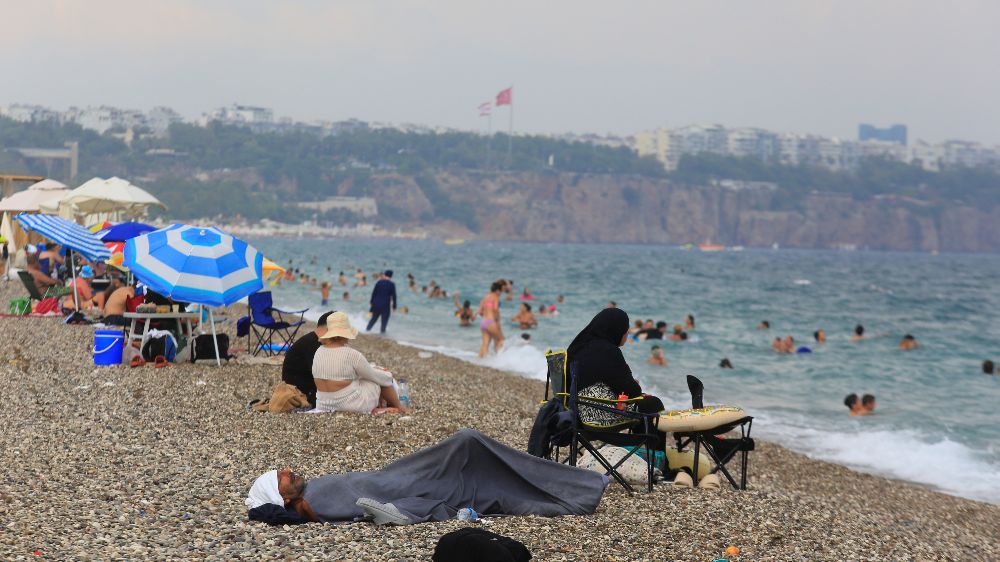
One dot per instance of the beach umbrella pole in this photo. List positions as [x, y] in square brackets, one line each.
[215, 340]
[72, 268]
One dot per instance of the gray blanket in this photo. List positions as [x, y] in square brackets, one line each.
[467, 469]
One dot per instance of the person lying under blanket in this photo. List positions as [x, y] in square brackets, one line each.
[467, 469]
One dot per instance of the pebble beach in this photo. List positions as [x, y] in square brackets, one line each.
[112, 463]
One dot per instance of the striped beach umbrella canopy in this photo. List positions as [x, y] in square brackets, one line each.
[201, 265]
[69, 234]
[124, 231]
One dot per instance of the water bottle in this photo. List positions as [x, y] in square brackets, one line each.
[467, 514]
[404, 393]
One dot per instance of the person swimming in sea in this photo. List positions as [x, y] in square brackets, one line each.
[464, 312]
[524, 318]
[656, 357]
[689, 322]
[725, 363]
[988, 367]
[859, 333]
[764, 325]
[820, 336]
[908, 342]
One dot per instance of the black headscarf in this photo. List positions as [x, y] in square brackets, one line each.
[596, 354]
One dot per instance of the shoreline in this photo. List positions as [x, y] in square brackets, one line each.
[154, 463]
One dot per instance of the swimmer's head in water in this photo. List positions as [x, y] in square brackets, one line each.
[868, 401]
[859, 330]
[467, 304]
[909, 337]
[988, 367]
[764, 324]
[684, 336]
[661, 326]
[850, 400]
[725, 364]
[526, 336]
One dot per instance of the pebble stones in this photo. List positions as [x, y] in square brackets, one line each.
[155, 466]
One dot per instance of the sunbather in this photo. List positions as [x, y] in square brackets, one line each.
[345, 381]
[84, 291]
[42, 281]
[116, 302]
[467, 469]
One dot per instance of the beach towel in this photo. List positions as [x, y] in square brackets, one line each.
[467, 469]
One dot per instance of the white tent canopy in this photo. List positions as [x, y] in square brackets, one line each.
[28, 201]
[111, 198]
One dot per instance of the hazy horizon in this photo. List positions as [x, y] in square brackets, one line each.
[783, 65]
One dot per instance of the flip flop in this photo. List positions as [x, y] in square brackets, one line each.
[683, 480]
[382, 513]
[710, 482]
[137, 361]
[160, 362]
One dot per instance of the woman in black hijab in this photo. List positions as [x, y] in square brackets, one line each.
[601, 370]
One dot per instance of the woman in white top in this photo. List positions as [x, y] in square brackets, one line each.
[345, 381]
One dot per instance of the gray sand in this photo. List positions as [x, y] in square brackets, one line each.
[110, 463]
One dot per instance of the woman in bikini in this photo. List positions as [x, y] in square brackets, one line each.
[489, 311]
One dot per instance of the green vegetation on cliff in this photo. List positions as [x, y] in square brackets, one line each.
[257, 175]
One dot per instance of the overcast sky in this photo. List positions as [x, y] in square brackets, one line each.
[785, 65]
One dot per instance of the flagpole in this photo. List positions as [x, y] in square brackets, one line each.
[510, 125]
[489, 139]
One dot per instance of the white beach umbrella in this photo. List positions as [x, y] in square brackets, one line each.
[29, 200]
[111, 195]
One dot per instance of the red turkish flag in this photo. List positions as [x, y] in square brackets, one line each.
[505, 97]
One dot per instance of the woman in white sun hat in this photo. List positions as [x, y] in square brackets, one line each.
[345, 381]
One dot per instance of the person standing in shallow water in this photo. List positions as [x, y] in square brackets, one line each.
[489, 325]
[383, 296]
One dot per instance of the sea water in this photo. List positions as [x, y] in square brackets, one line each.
[936, 421]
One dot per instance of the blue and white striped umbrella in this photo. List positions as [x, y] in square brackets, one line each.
[195, 264]
[69, 234]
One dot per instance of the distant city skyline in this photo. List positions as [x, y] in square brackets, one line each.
[787, 66]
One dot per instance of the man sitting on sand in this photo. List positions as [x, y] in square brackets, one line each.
[908, 342]
[116, 302]
[296, 369]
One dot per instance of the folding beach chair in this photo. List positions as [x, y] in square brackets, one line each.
[720, 449]
[630, 430]
[264, 325]
[29, 284]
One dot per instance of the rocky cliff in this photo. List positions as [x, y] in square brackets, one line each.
[606, 208]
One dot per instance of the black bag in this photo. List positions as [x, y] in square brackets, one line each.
[204, 347]
[154, 347]
[472, 544]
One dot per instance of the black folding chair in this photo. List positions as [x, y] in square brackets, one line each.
[641, 427]
[720, 450]
[264, 325]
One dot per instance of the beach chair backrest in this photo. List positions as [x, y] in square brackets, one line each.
[556, 376]
[260, 304]
[29, 284]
